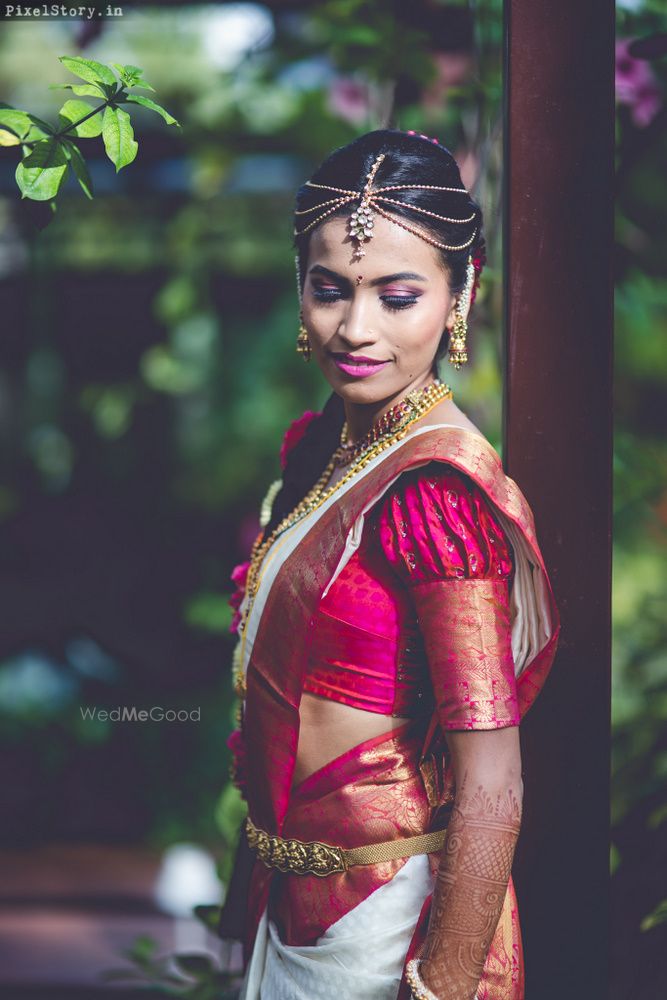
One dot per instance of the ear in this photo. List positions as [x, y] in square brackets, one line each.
[451, 315]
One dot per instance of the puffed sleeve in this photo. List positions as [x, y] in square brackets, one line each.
[438, 531]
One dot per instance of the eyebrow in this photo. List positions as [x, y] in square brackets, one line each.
[398, 276]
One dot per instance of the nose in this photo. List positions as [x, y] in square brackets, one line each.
[355, 328]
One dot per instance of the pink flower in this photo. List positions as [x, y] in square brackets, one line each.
[239, 576]
[236, 744]
[349, 100]
[636, 85]
[452, 69]
[478, 263]
[294, 433]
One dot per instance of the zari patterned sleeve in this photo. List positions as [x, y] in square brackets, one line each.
[439, 533]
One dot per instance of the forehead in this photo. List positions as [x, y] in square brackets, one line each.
[390, 249]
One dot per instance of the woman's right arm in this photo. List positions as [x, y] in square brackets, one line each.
[441, 535]
[476, 860]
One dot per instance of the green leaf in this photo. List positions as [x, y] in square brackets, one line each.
[209, 916]
[81, 89]
[142, 949]
[72, 111]
[193, 964]
[88, 69]
[126, 76]
[208, 611]
[21, 123]
[8, 138]
[131, 76]
[118, 137]
[17, 121]
[147, 103]
[41, 173]
[79, 167]
[658, 916]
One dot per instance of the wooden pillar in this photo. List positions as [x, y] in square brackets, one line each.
[559, 58]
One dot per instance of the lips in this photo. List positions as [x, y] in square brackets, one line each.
[357, 359]
[357, 365]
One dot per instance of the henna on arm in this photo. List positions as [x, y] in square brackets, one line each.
[472, 881]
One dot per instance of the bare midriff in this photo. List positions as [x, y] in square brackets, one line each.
[330, 728]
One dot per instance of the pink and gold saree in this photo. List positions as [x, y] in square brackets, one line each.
[399, 784]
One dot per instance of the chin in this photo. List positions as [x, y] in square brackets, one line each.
[366, 391]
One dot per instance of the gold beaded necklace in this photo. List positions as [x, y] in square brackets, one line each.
[389, 422]
[382, 435]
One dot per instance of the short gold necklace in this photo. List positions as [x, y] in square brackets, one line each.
[347, 451]
[415, 405]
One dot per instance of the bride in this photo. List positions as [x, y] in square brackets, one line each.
[395, 623]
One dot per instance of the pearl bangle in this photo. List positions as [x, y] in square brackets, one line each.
[420, 990]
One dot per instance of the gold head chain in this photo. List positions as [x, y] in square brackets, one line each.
[361, 220]
[360, 227]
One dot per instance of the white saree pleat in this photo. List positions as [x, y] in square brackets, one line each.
[360, 957]
[529, 601]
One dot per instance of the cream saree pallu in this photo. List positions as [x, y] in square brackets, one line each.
[352, 801]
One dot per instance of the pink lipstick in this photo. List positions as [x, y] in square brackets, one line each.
[357, 365]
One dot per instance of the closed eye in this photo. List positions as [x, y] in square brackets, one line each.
[392, 302]
[398, 301]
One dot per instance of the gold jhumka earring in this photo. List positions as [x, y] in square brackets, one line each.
[458, 351]
[303, 343]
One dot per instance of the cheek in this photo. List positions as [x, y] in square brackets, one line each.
[422, 335]
[320, 321]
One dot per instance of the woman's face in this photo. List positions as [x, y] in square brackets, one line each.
[375, 324]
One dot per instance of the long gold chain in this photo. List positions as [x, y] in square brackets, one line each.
[420, 402]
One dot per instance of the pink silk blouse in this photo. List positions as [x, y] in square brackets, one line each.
[420, 613]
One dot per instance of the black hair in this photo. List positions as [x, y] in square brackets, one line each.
[409, 159]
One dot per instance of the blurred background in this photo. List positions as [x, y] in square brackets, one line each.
[147, 374]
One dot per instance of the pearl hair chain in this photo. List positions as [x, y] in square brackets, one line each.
[361, 221]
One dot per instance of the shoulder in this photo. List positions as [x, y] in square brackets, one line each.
[436, 521]
[436, 487]
[448, 435]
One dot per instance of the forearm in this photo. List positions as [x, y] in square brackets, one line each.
[472, 883]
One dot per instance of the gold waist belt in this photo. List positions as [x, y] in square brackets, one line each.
[314, 858]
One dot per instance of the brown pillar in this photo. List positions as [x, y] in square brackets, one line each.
[557, 432]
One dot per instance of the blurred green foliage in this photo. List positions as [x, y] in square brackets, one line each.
[153, 363]
[639, 681]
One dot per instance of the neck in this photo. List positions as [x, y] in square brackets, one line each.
[360, 417]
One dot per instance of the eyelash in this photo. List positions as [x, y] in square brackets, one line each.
[392, 302]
